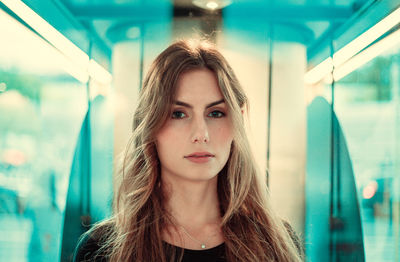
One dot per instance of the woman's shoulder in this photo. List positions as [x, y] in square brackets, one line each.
[87, 248]
[90, 246]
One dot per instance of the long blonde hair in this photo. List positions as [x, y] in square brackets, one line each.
[251, 230]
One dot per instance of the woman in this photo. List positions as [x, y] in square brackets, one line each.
[189, 189]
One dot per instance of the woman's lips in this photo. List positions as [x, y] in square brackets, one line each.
[199, 159]
[204, 153]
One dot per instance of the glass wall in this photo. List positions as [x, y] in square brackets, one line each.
[41, 112]
[362, 120]
[368, 106]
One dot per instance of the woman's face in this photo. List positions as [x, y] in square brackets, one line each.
[194, 143]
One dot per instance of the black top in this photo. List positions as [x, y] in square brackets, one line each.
[215, 254]
[87, 248]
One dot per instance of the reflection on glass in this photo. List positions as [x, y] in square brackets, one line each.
[367, 105]
[41, 110]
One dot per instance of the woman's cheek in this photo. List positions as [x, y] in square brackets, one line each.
[225, 130]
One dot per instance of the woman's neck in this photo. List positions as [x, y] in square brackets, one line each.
[192, 202]
[194, 208]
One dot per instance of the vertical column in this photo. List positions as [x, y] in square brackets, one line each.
[246, 40]
[288, 131]
[137, 45]
[245, 44]
[251, 68]
[126, 69]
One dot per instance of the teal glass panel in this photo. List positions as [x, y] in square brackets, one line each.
[368, 106]
[77, 211]
[333, 226]
[345, 222]
[41, 110]
[318, 178]
[101, 158]
[90, 187]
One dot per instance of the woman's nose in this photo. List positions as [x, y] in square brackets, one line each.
[200, 131]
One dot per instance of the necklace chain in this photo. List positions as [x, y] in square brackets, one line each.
[202, 244]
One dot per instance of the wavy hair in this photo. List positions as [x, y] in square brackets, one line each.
[251, 230]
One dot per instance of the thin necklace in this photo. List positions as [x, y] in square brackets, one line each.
[202, 244]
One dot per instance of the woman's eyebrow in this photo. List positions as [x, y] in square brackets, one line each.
[180, 103]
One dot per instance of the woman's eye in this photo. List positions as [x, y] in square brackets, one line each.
[178, 114]
[216, 114]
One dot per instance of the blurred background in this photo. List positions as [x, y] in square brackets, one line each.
[322, 76]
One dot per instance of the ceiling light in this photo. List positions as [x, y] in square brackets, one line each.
[76, 61]
[211, 4]
[46, 30]
[343, 61]
[366, 38]
[317, 73]
[99, 73]
[367, 55]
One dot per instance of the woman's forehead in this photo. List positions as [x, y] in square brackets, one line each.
[198, 85]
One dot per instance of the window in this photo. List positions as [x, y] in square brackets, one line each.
[41, 112]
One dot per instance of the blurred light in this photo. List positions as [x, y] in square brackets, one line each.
[3, 87]
[133, 33]
[48, 32]
[14, 157]
[98, 73]
[351, 49]
[51, 59]
[78, 73]
[370, 190]
[77, 64]
[314, 75]
[366, 38]
[211, 4]
[367, 55]
[13, 100]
